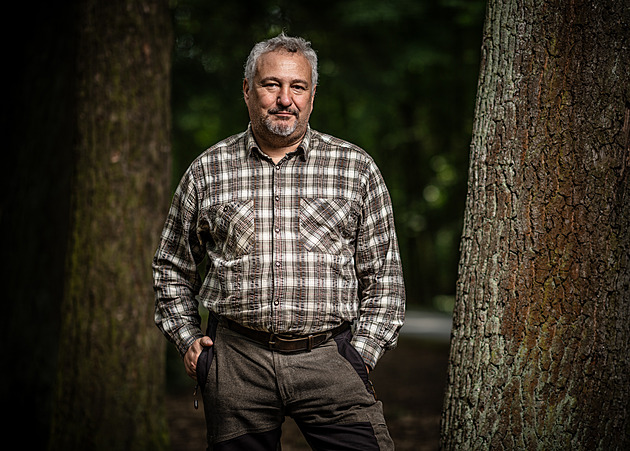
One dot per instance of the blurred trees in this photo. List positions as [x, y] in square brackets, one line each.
[539, 355]
[397, 78]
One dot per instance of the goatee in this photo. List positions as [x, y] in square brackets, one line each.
[280, 128]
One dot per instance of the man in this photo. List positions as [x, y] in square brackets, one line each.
[304, 283]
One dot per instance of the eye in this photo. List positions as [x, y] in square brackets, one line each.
[270, 85]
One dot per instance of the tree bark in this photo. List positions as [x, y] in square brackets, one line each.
[111, 363]
[541, 330]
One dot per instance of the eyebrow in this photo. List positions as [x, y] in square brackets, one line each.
[295, 80]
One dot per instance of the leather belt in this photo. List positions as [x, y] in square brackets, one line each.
[286, 343]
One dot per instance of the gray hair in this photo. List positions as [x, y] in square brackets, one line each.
[286, 43]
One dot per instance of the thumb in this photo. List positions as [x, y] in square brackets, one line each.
[205, 341]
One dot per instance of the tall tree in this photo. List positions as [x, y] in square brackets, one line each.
[541, 330]
[110, 378]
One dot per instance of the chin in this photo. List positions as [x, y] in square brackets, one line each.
[281, 129]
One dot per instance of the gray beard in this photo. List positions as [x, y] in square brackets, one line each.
[280, 129]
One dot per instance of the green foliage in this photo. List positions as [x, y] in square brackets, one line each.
[397, 77]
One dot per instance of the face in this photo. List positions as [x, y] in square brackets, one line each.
[280, 98]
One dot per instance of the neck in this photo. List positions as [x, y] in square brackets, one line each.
[277, 147]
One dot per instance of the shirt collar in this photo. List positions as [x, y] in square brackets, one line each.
[305, 145]
[302, 149]
[250, 142]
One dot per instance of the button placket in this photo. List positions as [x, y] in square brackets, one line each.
[277, 229]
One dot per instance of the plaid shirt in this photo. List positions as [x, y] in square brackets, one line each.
[296, 247]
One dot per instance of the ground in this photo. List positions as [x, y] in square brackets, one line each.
[409, 380]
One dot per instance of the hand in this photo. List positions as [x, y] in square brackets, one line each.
[192, 355]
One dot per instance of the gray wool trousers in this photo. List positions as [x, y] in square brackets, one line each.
[248, 390]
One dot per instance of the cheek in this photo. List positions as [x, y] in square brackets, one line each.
[304, 105]
[255, 103]
[266, 101]
[308, 101]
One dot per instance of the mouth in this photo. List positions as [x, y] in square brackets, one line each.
[282, 113]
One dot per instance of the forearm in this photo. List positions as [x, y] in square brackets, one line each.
[179, 320]
[379, 270]
[378, 326]
[176, 280]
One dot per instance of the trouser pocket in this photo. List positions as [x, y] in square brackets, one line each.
[207, 354]
[350, 353]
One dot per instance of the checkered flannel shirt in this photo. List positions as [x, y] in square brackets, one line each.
[296, 247]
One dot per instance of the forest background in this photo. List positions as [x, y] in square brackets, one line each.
[397, 78]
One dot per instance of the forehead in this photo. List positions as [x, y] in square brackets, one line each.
[283, 64]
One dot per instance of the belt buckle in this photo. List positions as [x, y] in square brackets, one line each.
[272, 342]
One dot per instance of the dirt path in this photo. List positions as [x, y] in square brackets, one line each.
[410, 381]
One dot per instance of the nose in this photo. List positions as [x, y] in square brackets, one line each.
[284, 97]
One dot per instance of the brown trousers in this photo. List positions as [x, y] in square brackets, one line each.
[248, 390]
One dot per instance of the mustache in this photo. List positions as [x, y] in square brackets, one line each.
[276, 110]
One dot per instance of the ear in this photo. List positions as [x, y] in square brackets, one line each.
[245, 89]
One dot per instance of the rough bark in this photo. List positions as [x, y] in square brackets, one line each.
[111, 363]
[541, 331]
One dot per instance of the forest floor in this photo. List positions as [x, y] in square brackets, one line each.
[409, 380]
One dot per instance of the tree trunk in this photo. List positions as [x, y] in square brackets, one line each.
[111, 363]
[541, 330]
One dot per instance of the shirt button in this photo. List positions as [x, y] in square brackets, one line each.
[277, 229]
[278, 264]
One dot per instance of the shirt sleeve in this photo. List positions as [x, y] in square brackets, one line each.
[379, 271]
[176, 281]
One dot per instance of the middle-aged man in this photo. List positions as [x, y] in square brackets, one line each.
[304, 283]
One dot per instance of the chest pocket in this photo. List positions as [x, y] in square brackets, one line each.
[328, 226]
[231, 226]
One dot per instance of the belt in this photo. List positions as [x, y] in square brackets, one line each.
[286, 343]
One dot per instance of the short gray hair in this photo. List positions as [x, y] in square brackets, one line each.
[284, 42]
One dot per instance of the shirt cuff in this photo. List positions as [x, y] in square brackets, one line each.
[187, 337]
[369, 350]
